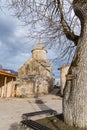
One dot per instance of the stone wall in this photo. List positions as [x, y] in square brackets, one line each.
[34, 67]
[35, 76]
[33, 86]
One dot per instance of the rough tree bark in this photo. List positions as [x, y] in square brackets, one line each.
[75, 92]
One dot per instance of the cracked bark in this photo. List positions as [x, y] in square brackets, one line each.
[75, 92]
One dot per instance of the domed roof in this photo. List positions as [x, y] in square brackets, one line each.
[39, 46]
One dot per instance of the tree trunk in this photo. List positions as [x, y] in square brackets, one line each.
[75, 92]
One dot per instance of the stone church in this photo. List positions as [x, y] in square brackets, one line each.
[35, 77]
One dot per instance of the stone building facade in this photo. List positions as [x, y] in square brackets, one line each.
[35, 76]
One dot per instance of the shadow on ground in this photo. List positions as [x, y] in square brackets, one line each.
[14, 126]
[41, 104]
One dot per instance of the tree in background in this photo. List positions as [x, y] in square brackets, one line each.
[58, 22]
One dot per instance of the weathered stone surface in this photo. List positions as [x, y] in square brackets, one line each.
[35, 75]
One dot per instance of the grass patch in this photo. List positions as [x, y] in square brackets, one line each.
[56, 123]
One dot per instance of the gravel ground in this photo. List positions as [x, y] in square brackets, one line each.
[11, 109]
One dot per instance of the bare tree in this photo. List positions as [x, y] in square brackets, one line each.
[48, 21]
[58, 22]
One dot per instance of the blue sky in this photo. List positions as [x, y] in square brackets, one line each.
[15, 47]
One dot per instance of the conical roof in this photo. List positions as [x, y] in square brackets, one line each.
[39, 46]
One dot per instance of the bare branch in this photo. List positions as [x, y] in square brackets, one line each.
[67, 30]
[50, 20]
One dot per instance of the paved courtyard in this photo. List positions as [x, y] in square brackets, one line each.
[12, 109]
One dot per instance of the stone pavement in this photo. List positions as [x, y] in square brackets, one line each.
[11, 109]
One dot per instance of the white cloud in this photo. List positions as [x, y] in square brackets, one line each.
[15, 48]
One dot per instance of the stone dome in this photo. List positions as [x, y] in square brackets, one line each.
[39, 52]
[39, 46]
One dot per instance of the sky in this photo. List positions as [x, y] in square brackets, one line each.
[15, 47]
